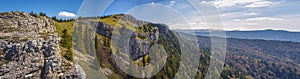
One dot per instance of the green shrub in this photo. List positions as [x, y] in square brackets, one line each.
[42, 14]
[33, 14]
[69, 55]
[66, 39]
[66, 42]
[3, 62]
[1, 51]
[146, 60]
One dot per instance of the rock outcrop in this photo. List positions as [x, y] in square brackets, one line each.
[139, 41]
[131, 40]
[30, 49]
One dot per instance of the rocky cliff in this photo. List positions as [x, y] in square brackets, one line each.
[110, 32]
[29, 48]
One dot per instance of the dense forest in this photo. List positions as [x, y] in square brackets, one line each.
[262, 59]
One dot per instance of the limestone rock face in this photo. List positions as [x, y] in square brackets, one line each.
[122, 38]
[138, 46]
[29, 49]
[104, 29]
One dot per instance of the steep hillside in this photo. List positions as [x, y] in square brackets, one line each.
[145, 35]
[30, 48]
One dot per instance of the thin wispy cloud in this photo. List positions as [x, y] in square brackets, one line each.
[242, 3]
[236, 20]
[258, 14]
[263, 19]
[261, 4]
[252, 13]
[66, 14]
[253, 24]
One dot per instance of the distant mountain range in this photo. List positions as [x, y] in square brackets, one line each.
[280, 35]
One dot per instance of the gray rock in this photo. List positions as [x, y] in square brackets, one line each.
[35, 57]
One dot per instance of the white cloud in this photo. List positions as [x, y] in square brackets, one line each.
[263, 19]
[229, 3]
[236, 20]
[273, 14]
[250, 14]
[66, 14]
[253, 24]
[287, 22]
[261, 4]
[172, 3]
[244, 3]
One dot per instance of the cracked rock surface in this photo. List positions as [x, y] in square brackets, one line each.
[29, 49]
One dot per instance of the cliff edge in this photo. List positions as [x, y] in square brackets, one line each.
[29, 48]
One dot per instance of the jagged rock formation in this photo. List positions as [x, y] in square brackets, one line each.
[30, 48]
[139, 43]
[141, 35]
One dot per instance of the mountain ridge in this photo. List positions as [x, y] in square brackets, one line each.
[268, 34]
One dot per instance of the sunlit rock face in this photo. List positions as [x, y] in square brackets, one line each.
[30, 48]
[139, 43]
[129, 40]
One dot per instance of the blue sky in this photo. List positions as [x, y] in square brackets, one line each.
[236, 14]
[51, 7]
